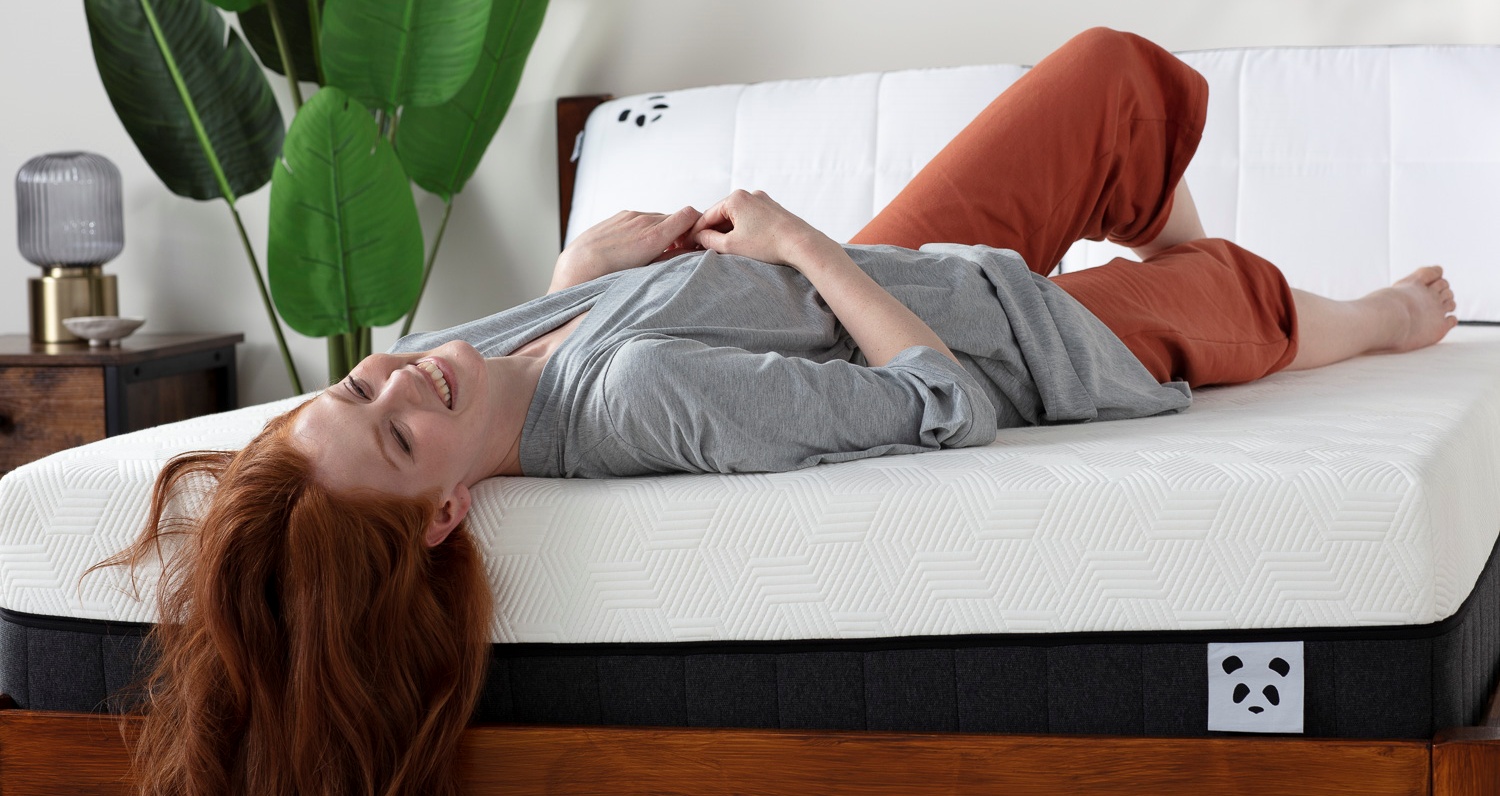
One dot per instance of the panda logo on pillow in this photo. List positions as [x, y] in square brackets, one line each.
[651, 112]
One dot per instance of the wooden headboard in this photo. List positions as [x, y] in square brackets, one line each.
[572, 115]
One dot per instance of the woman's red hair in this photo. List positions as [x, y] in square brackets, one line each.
[308, 642]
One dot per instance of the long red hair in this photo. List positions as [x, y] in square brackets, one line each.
[308, 642]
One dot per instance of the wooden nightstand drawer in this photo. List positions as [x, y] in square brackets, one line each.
[54, 397]
[44, 410]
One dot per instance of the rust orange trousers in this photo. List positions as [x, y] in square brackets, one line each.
[1091, 143]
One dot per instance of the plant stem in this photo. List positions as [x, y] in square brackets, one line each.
[219, 176]
[315, 21]
[338, 366]
[427, 271]
[265, 298]
[286, 54]
[351, 347]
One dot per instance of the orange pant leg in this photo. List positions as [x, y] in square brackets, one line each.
[1204, 312]
[1091, 143]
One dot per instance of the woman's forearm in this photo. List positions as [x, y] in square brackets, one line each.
[569, 272]
[881, 326]
[623, 241]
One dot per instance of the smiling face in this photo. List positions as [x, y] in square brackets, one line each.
[406, 424]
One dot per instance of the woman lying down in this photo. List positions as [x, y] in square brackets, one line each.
[324, 626]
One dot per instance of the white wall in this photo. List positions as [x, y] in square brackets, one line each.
[183, 268]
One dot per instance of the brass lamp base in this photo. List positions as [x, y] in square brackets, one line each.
[68, 292]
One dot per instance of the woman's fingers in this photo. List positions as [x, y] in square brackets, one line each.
[754, 225]
[715, 217]
[739, 209]
[676, 226]
[709, 239]
[673, 234]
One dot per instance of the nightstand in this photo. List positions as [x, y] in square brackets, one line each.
[55, 396]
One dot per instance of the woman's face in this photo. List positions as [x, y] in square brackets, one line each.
[405, 424]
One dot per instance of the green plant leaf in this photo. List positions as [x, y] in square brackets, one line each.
[236, 5]
[256, 22]
[228, 93]
[345, 247]
[441, 145]
[391, 53]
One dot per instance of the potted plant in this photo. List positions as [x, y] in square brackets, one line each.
[412, 91]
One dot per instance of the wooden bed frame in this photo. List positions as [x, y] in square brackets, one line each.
[43, 753]
[46, 752]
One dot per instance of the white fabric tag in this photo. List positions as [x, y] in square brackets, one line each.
[1255, 687]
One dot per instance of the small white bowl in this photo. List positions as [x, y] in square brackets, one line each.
[102, 330]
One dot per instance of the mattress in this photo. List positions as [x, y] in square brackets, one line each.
[1359, 495]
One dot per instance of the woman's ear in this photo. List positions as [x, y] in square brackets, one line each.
[448, 516]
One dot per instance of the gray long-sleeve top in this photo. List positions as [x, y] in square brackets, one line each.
[717, 363]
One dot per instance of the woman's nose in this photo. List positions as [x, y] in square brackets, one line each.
[403, 385]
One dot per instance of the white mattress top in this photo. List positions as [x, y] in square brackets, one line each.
[1358, 495]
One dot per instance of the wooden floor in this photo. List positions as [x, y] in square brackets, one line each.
[52, 753]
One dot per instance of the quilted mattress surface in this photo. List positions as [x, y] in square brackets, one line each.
[1361, 494]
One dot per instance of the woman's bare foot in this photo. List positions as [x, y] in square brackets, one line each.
[1426, 299]
[1410, 314]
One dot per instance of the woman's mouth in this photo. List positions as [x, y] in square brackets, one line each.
[437, 375]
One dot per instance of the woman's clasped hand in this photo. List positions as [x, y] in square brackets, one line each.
[746, 223]
[751, 224]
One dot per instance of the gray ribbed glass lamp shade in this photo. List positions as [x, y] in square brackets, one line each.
[68, 208]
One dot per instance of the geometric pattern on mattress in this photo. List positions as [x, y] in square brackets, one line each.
[1361, 494]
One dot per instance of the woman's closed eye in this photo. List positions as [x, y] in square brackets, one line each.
[403, 440]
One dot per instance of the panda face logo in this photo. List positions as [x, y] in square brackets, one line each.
[1256, 686]
[1272, 696]
[648, 112]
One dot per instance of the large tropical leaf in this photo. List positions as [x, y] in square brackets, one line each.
[228, 100]
[441, 145]
[390, 53]
[345, 247]
[256, 22]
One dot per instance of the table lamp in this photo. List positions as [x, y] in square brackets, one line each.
[68, 209]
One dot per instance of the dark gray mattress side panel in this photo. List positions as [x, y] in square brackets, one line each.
[1403, 688]
[88, 671]
[1464, 667]
[13, 663]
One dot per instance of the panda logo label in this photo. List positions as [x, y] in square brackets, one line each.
[1233, 664]
[656, 103]
[1256, 687]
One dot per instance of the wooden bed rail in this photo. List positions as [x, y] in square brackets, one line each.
[43, 752]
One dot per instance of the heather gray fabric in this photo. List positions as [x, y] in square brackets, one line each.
[716, 363]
